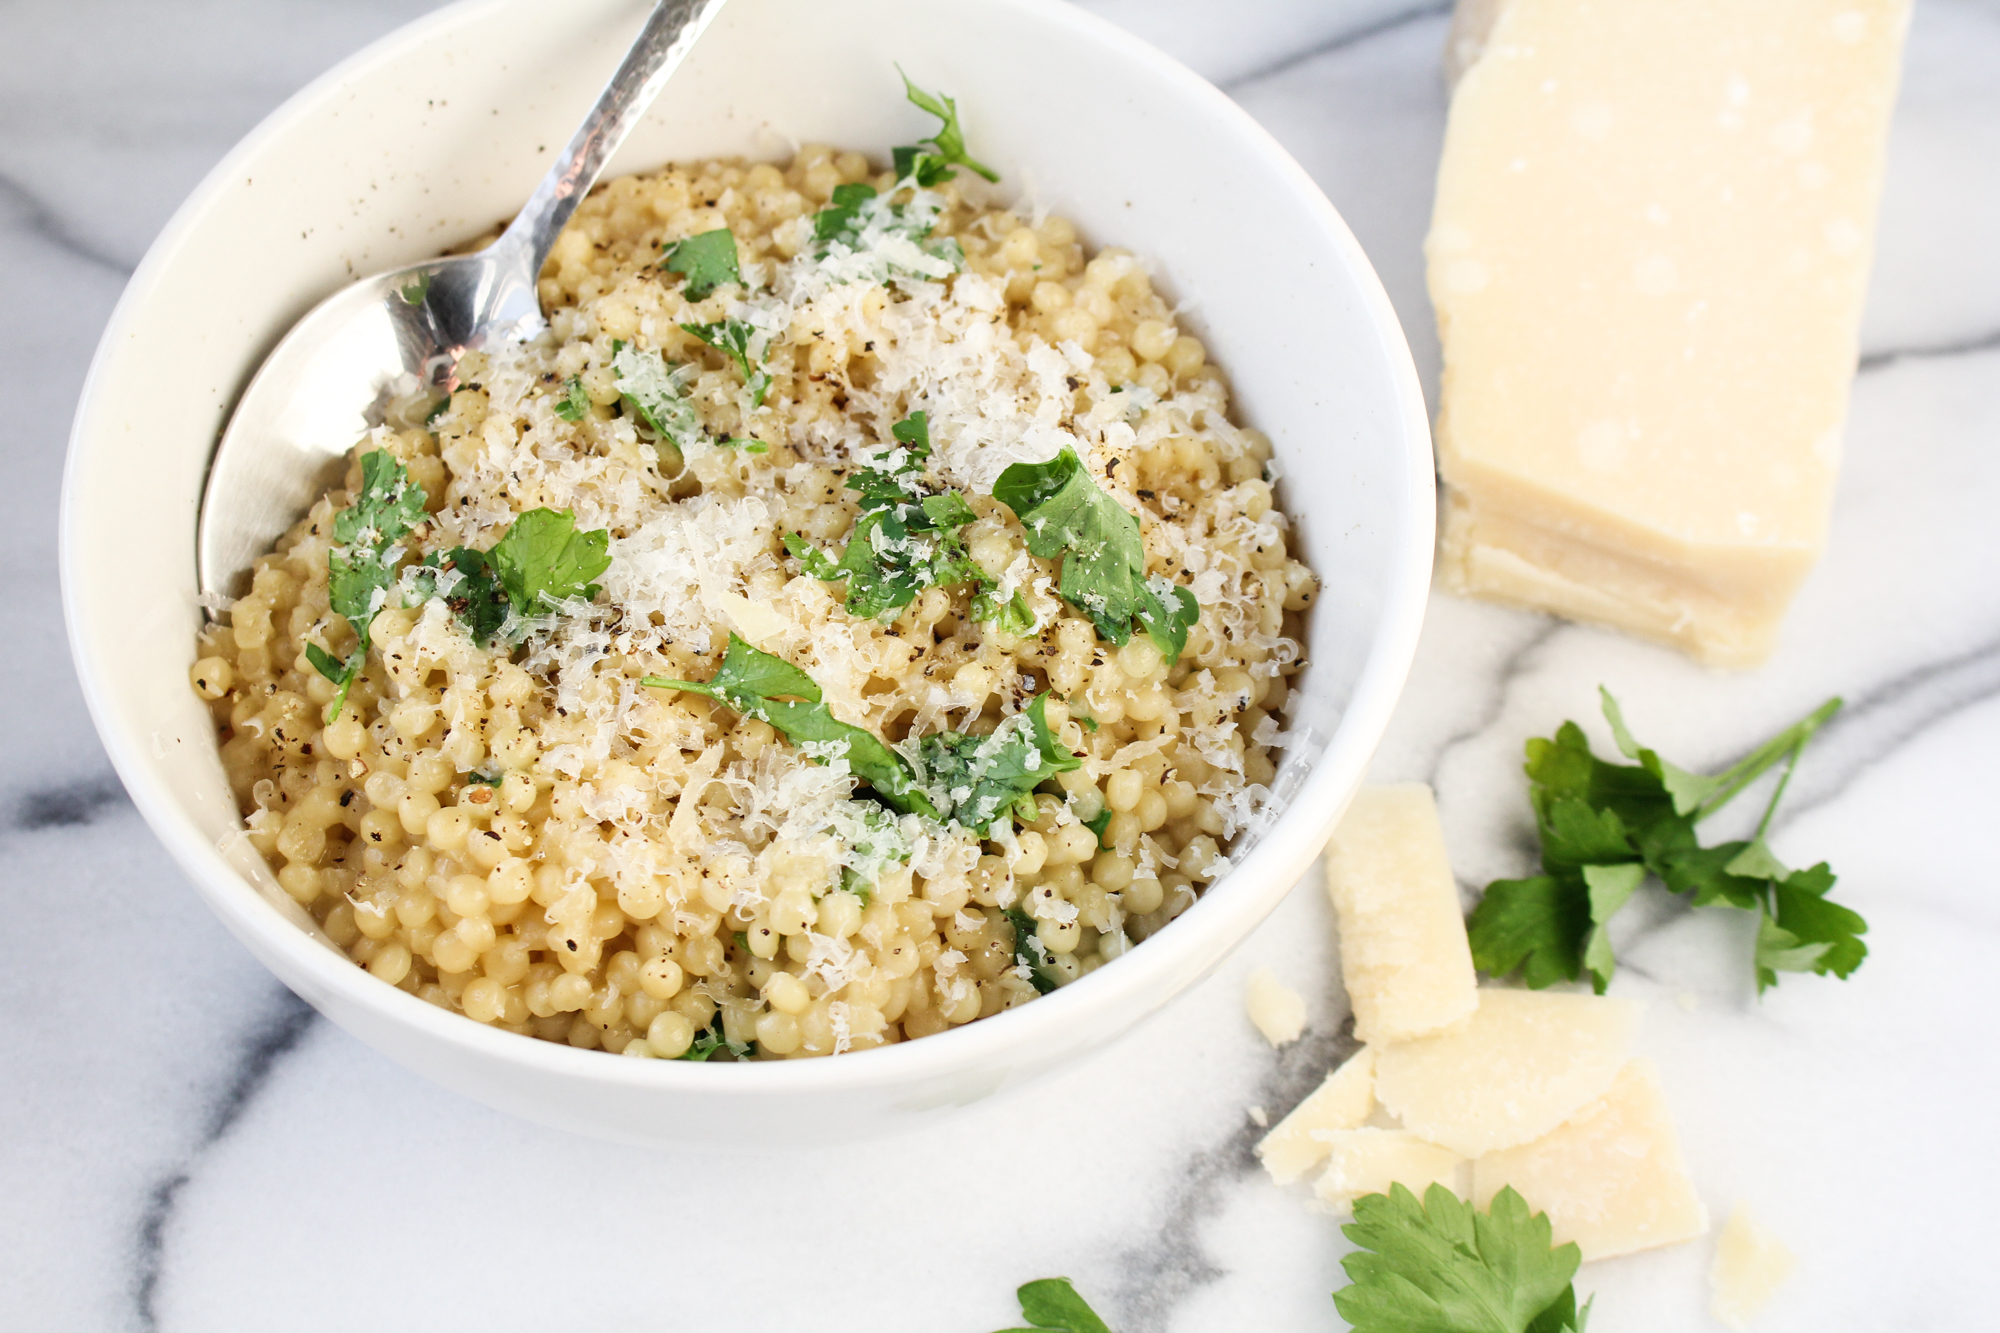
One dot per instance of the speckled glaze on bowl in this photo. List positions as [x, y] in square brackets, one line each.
[431, 135]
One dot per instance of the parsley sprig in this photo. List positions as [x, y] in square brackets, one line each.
[361, 564]
[708, 261]
[974, 782]
[906, 538]
[855, 206]
[1067, 514]
[1606, 827]
[930, 161]
[1440, 1266]
[1051, 1305]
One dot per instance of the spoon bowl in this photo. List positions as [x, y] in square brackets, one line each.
[400, 335]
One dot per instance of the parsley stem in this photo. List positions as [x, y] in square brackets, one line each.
[1786, 744]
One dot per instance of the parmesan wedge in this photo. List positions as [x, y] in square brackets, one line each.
[1611, 1178]
[1368, 1161]
[1525, 1062]
[1750, 1265]
[1344, 1101]
[1403, 952]
[1651, 241]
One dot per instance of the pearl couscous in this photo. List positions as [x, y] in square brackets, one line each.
[519, 818]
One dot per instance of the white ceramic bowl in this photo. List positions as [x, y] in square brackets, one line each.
[432, 134]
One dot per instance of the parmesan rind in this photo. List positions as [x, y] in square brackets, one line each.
[1650, 246]
[1750, 1265]
[1403, 951]
[1611, 1178]
[1368, 1161]
[1525, 1062]
[1343, 1101]
[1276, 1009]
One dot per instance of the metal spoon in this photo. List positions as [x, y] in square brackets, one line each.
[331, 378]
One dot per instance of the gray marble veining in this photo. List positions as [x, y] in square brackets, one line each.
[189, 1148]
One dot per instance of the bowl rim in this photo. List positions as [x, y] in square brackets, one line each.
[1245, 894]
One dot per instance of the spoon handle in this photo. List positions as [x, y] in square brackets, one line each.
[659, 48]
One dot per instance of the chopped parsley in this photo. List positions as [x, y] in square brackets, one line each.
[1606, 827]
[841, 219]
[1052, 1305]
[1013, 616]
[361, 564]
[972, 781]
[746, 343]
[712, 1039]
[1440, 1266]
[930, 161]
[654, 392]
[977, 781]
[857, 219]
[1097, 823]
[708, 261]
[538, 563]
[906, 537]
[1031, 953]
[574, 405]
[1066, 513]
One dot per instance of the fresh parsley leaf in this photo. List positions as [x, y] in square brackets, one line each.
[1439, 1266]
[361, 563]
[1097, 824]
[745, 443]
[1066, 513]
[574, 405]
[746, 343]
[542, 560]
[946, 150]
[438, 409]
[654, 392]
[1605, 827]
[976, 782]
[712, 1039]
[772, 690]
[1538, 925]
[388, 506]
[539, 562]
[1052, 1304]
[481, 777]
[1800, 931]
[1031, 953]
[708, 260]
[906, 537]
[474, 595]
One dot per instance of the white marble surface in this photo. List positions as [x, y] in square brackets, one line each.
[188, 1147]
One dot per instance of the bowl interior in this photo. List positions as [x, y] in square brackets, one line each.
[442, 129]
